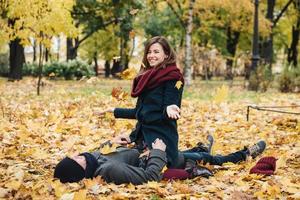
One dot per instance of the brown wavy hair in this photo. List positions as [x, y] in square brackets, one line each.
[170, 60]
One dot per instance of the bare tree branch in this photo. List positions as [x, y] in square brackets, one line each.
[281, 13]
[95, 30]
[183, 24]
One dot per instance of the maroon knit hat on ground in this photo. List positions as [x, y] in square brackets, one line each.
[265, 165]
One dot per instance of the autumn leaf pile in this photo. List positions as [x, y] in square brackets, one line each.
[37, 131]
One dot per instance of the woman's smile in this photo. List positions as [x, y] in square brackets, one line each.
[156, 55]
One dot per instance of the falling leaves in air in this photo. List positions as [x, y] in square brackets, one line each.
[129, 73]
[119, 94]
[221, 94]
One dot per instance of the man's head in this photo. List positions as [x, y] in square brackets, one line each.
[69, 170]
[76, 168]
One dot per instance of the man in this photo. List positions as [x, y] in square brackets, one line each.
[118, 167]
[126, 166]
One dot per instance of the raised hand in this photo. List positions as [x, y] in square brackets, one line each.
[173, 111]
[102, 113]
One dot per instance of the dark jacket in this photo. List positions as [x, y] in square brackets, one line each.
[153, 122]
[123, 166]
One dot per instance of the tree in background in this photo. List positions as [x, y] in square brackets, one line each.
[101, 44]
[94, 15]
[16, 50]
[42, 21]
[224, 22]
[184, 11]
[90, 16]
[276, 9]
[293, 48]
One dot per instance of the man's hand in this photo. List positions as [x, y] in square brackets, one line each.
[173, 111]
[121, 139]
[102, 113]
[159, 144]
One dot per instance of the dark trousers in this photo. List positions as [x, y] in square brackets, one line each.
[215, 160]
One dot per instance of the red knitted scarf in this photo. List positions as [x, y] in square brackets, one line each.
[153, 77]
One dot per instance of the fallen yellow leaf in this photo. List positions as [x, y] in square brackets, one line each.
[178, 84]
[108, 149]
[80, 195]
[221, 94]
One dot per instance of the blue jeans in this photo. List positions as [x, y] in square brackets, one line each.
[215, 160]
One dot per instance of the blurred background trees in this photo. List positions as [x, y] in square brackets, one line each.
[211, 38]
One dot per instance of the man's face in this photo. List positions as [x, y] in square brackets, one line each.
[80, 160]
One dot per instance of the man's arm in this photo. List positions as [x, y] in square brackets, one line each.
[118, 172]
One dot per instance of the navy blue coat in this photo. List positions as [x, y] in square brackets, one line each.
[153, 122]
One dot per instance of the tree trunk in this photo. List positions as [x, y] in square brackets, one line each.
[267, 46]
[116, 67]
[46, 54]
[40, 69]
[188, 46]
[34, 50]
[96, 65]
[58, 48]
[72, 48]
[293, 51]
[231, 45]
[124, 58]
[121, 55]
[107, 68]
[16, 60]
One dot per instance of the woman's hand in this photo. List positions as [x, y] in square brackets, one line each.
[159, 144]
[173, 111]
[122, 139]
[102, 113]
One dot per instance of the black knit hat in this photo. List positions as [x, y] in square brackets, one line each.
[68, 170]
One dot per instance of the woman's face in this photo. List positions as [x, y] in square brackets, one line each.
[156, 55]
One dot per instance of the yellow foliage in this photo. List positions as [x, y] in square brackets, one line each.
[37, 132]
[129, 73]
[41, 20]
[13, 184]
[119, 94]
[153, 184]
[81, 194]
[221, 94]
[236, 14]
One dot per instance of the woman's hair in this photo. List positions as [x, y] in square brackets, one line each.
[171, 59]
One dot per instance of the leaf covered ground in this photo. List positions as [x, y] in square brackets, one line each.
[37, 131]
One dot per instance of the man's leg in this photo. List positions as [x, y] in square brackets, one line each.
[236, 157]
[217, 160]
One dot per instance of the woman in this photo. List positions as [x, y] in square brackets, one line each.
[158, 87]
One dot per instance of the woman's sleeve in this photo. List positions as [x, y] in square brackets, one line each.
[172, 94]
[127, 113]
